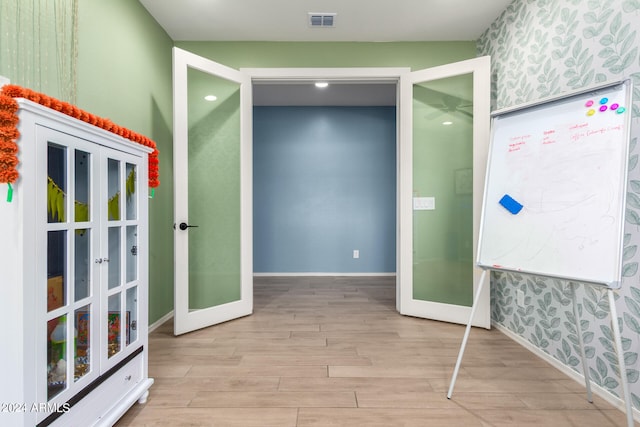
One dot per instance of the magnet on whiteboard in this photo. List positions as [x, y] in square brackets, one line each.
[510, 204]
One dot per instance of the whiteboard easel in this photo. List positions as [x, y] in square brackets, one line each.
[617, 341]
[554, 199]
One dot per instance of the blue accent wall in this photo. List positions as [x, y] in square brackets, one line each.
[324, 185]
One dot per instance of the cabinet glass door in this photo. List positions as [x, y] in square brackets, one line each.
[87, 292]
[120, 203]
[69, 302]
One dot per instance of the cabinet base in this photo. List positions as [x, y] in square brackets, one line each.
[140, 393]
[105, 404]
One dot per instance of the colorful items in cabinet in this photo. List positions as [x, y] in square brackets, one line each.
[82, 328]
[113, 332]
[58, 339]
[55, 292]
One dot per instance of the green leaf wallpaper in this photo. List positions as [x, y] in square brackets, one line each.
[541, 48]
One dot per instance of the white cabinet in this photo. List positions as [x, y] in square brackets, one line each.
[73, 275]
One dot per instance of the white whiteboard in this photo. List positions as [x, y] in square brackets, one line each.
[555, 188]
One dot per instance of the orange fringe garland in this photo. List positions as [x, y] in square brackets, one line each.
[9, 133]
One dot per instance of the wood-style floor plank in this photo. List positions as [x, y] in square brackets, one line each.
[333, 351]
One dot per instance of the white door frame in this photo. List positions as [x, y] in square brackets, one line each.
[186, 320]
[405, 79]
[353, 75]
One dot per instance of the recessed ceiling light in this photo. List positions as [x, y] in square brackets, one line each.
[210, 98]
[322, 85]
[447, 123]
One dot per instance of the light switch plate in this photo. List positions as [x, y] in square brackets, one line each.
[424, 203]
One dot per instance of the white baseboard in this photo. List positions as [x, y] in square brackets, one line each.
[306, 274]
[155, 325]
[595, 388]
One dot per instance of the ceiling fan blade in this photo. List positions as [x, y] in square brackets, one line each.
[434, 115]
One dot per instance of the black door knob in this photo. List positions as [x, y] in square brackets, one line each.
[184, 226]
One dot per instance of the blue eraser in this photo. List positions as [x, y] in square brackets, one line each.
[510, 204]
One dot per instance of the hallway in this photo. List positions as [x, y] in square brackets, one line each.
[333, 351]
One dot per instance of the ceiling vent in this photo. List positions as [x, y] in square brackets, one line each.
[322, 20]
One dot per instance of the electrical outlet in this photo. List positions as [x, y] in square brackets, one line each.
[356, 253]
[520, 297]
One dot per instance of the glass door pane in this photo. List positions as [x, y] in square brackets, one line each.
[214, 189]
[82, 328]
[56, 269]
[114, 326]
[113, 182]
[56, 356]
[82, 184]
[443, 190]
[132, 253]
[82, 263]
[131, 318]
[130, 188]
[56, 183]
[445, 144]
[121, 271]
[113, 262]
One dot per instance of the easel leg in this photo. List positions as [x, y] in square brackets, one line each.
[622, 367]
[585, 369]
[466, 333]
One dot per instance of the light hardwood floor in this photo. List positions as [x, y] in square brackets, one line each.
[333, 351]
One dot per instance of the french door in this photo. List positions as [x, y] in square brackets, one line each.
[212, 212]
[440, 184]
[443, 150]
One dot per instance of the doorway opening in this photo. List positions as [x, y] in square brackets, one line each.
[325, 178]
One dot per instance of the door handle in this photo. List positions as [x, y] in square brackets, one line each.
[183, 226]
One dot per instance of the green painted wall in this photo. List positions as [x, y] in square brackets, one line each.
[34, 51]
[416, 55]
[124, 73]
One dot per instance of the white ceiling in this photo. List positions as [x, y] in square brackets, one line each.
[356, 20]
